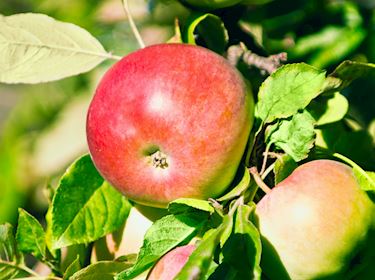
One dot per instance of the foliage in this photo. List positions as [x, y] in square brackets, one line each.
[318, 105]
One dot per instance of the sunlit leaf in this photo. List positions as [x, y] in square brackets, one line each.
[36, 48]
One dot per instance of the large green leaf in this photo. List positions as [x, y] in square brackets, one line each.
[288, 90]
[36, 48]
[165, 234]
[199, 262]
[85, 207]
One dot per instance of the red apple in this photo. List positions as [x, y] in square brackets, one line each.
[171, 263]
[316, 223]
[170, 121]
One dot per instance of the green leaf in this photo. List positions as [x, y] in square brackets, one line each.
[104, 270]
[210, 29]
[294, 135]
[12, 271]
[240, 187]
[36, 48]
[182, 205]
[284, 166]
[349, 40]
[244, 242]
[199, 261]
[11, 261]
[30, 235]
[8, 247]
[366, 180]
[328, 109]
[165, 234]
[312, 42]
[348, 71]
[72, 268]
[288, 90]
[85, 207]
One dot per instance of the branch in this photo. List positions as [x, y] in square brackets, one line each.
[269, 64]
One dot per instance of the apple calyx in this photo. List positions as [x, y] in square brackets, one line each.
[158, 159]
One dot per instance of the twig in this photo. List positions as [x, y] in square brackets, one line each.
[269, 64]
[276, 155]
[125, 4]
[254, 171]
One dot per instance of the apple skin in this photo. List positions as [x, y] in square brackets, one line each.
[315, 223]
[170, 121]
[171, 263]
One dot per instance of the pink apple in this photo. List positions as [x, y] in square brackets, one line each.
[315, 223]
[171, 263]
[170, 121]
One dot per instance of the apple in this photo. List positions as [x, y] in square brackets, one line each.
[170, 121]
[316, 223]
[171, 263]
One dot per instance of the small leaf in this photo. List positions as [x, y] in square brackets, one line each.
[288, 90]
[199, 261]
[328, 109]
[85, 207]
[104, 270]
[348, 71]
[72, 268]
[30, 235]
[366, 180]
[283, 168]
[244, 242]
[36, 48]
[165, 234]
[240, 187]
[210, 29]
[295, 135]
[8, 247]
[182, 205]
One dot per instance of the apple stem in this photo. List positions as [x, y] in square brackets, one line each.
[268, 64]
[258, 179]
[125, 4]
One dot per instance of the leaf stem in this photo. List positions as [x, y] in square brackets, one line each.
[267, 171]
[265, 158]
[125, 4]
[254, 171]
[238, 202]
